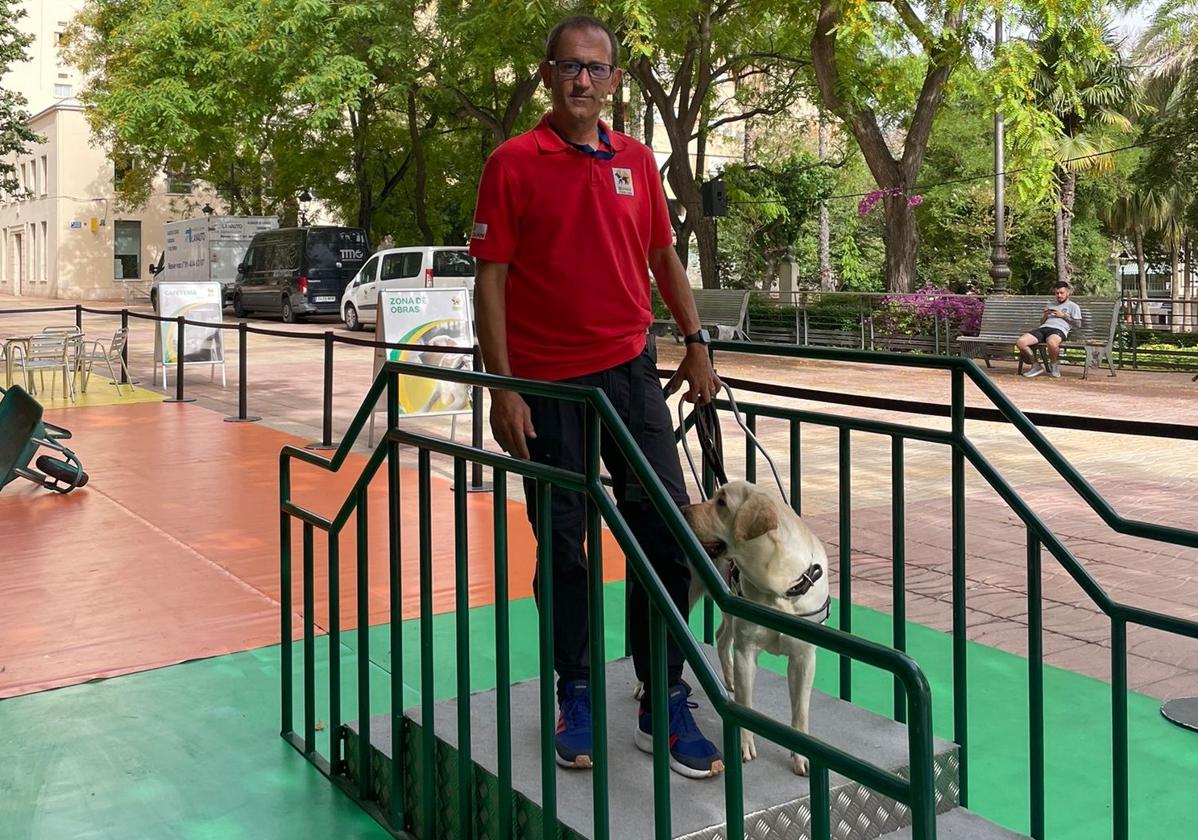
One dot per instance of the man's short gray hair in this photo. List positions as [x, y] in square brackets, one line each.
[581, 22]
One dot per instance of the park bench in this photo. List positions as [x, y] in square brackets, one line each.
[722, 312]
[1006, 317]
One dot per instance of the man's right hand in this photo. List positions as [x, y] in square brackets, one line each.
[511, 422]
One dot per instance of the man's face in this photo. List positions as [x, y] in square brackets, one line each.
[1062, 294]
[582, 97]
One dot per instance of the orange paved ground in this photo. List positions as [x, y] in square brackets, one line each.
[171, 551]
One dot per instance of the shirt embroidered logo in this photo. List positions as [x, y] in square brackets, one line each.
[623, 179]
[480, 231]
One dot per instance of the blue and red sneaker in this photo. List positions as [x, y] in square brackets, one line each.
[574, 725]
[691, 754]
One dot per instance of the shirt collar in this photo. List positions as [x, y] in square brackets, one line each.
[549, 140]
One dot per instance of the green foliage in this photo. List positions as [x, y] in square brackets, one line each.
[15, 135]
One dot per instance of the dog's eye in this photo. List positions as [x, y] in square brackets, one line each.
[720, 502]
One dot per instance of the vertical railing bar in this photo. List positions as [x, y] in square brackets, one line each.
[365, 783]
[750, 449]
[544, 491]
[335, 651]
[898, 538]
[503, 657]
[708, 603]
[960, 619]
[796, 468]
[309, 646]
[1035, 685]
[286, 700]
[462, 620]
[598, 646]
[427, 697]
[734, 783]
[659, 707]
[821, 803]
[1119, 736]
[397, 815]
[846, 559]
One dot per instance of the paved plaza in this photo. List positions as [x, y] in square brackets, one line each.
[1143, 478]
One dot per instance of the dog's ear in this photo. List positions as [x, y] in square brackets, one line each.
[755, 517]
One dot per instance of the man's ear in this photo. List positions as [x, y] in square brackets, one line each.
[546, 74]
[755, 517]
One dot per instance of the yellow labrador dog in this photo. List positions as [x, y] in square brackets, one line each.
[769, 556]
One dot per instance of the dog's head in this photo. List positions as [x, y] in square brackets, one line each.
[769, 542]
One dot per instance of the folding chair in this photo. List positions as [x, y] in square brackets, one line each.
[112, 353]
[52, 352]
[22, 434]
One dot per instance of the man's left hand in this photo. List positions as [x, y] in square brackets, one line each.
[696, 369]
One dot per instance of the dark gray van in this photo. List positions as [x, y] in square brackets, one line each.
[298, 271]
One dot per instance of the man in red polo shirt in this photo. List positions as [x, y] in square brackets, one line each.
[571, 218]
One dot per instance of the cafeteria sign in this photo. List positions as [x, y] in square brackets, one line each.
[201, 345]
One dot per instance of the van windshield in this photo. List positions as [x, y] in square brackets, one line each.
[453, 264]
[329, 246]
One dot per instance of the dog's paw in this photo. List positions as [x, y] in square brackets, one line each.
[748, 746]
[799, 764]
[728, 683]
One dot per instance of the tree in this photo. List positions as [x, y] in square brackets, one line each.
[1091, 97]
[15, 134]
[704, 65]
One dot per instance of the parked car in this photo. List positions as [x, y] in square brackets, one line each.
[403, 268]
[295, 272]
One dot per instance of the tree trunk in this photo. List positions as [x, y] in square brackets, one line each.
[902, 241]
[705, 238]
[827, 279]
[420, 175]
[1064, 227]
[617, 109]
[359, 121]
[649, 121]
[1141, 274]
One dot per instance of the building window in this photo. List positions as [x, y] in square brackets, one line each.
[62, 91]
[44, 276]
[178, 180]
[127, 250]
[45, 179]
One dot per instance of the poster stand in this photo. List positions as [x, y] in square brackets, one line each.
[203, 346]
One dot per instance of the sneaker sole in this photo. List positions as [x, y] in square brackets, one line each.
[644, 742]
[582, 762]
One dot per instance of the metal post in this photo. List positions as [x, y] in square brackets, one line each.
[477, 485]
[242, 366]
[180, 325]
[326, 436]
[1000, 271]
[79, 316]
[125, 349]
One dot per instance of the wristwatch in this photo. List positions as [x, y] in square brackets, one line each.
[700, 337]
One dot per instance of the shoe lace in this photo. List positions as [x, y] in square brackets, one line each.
[682, 723]
[576, 710]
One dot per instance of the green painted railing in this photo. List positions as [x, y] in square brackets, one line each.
[916, 792]
[1038, 536]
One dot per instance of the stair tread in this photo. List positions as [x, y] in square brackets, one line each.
[961, 824]
[696, 805]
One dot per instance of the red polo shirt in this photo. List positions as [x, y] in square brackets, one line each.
[575, 232]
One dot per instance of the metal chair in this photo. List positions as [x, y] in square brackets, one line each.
[74, 336]
[112, 353]
[52, 352]
[22, 434]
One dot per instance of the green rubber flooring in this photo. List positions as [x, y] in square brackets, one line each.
[193, 752]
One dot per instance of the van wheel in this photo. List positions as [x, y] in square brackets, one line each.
[238, 306]
[352, 322]
[288, 312]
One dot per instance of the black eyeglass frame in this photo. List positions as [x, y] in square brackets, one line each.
[560, 65]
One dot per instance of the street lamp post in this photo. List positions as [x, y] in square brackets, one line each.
[1000, 271]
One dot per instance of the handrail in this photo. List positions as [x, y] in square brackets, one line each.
[1011, 412]
[917, 792]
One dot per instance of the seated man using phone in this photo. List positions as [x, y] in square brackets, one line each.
[1058, 318]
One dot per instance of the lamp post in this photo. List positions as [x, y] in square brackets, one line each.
[1000, 271]
[305, 198]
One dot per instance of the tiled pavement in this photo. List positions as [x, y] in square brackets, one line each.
[1142, 478]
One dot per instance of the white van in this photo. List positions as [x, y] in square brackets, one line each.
[403, 268]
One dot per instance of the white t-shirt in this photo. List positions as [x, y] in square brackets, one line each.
[1068, 308]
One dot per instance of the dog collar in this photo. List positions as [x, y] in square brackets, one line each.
[806, 581]
[801, 588]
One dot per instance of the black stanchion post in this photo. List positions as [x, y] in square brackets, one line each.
[180, 325]
[477, 485]
[242, 366]
[125, 348]
[79, 316]
[326, 437]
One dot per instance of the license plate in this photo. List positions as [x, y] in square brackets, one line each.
[324, 298]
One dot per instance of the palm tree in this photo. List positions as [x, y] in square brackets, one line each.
[1092, 103]
[1134, 215]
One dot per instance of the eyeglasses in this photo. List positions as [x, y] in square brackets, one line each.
[597, 70]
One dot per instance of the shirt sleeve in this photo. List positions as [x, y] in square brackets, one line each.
[661, 232]
[496, 221]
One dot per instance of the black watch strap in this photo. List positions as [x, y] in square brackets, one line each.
[700, 337]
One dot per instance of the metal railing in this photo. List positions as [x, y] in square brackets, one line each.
[916, 792]
[1038, 536]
